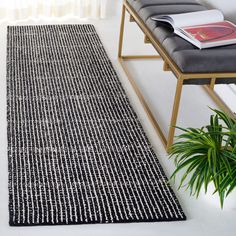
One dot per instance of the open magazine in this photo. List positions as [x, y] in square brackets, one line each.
[204, 29]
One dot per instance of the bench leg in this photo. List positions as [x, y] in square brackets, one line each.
[212, 84]
[122, 26]
[121, 39]
[122, 58]
[175, 110]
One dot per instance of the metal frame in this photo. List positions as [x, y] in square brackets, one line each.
[169, 65]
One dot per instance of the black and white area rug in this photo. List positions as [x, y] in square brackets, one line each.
[77, 152]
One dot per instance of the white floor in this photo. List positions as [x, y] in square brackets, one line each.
[204, 216]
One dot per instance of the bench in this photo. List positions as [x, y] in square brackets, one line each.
[189, 65]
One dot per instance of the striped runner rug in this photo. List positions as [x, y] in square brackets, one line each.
[76, 149]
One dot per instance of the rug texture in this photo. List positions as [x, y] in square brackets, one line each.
[77, 152]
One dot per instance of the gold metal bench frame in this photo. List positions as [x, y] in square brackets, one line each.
[169, 65]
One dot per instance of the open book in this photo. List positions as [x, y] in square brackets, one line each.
[203, 29]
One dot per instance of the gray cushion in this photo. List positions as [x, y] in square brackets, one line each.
[188, 58]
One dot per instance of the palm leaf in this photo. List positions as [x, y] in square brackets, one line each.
[207, 154]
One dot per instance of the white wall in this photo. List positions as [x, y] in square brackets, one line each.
[228, 7]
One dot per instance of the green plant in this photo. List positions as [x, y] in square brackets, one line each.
[207, 155]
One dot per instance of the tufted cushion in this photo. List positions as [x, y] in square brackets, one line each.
[188, 58]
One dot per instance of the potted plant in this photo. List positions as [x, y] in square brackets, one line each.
[207, 156]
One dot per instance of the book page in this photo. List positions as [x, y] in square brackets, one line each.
[196, 18]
